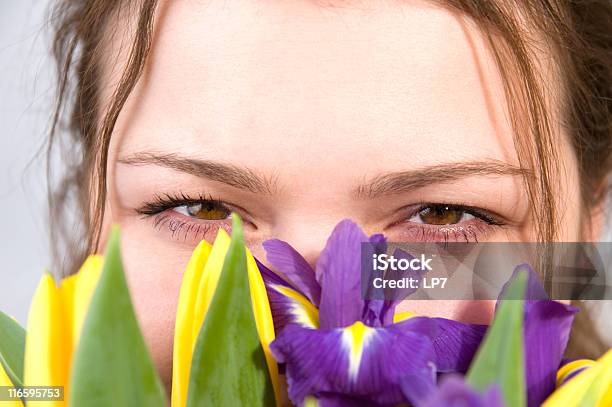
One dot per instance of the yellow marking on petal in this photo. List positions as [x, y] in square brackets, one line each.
[311, 401]
[571, 367]
[184, 341]
[594, 383]
[47, 349]
[355, 338]
[263, 320]
[5, 381]
[402, 316]
[303, 311]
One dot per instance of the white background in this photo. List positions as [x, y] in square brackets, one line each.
[26, 97]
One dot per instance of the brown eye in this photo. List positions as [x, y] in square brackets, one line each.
[442, 215]
[205, 211]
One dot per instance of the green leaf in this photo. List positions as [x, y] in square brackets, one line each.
[112, 366]
[12, 348]
[229, 366]
[500, 358]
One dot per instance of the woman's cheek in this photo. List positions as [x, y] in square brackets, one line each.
[154, 272]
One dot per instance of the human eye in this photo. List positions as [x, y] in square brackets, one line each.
[187, 217]
[447, 222]
[204, 210]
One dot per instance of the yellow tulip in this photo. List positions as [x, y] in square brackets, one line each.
[54, 325]
[591, 387]
[5, 381]
[197, 290]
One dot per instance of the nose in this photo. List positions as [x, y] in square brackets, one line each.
[307, 237]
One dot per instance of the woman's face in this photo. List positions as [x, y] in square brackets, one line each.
[297, 115]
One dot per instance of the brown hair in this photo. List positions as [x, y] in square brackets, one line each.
[578, 34]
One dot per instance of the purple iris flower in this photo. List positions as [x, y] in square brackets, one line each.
[337, 346]
[546, 327]
[455, 392]
[347, 351]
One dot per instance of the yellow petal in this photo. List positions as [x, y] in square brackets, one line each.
[66, 291]
[592, 384]
[183, 331]
[197, 290]
[86, 283]
[209, 281]
[263, 320]
[5, 381]
[74, 296]
[47, 351]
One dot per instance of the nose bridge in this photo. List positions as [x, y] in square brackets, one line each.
[308, 237]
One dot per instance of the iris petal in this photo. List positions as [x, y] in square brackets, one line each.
[339, 274]
[299, 310]
[455, 344]
[287, 305]
[454, 392]
[338, 277]
[354, 361]
[354, 339]
[337, 400]
[294, 267]
[419, 385]
[379, 307]
[547, 327]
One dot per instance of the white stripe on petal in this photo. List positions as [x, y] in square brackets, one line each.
[355, 339]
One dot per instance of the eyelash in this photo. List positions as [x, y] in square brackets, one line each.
[167, 201]
[482, 225]
[160, 210]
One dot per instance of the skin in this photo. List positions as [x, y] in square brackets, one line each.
[316, 100]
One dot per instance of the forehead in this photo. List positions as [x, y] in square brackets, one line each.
[248, 79]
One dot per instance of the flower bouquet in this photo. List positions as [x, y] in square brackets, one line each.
[243, 330]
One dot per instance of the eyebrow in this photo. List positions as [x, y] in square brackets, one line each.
[381, 185]
[238, 177]
[404, 181]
